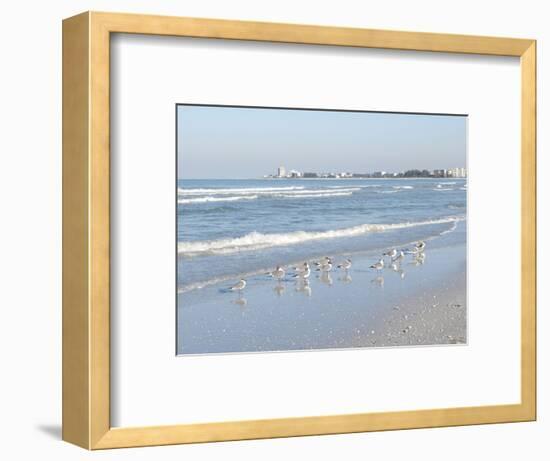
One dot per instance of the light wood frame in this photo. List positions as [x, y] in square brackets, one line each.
[86, 233]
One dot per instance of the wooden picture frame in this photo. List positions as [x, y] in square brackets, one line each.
[86, 230]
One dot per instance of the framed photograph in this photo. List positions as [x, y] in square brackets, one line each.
[315, 256]
[276, 230]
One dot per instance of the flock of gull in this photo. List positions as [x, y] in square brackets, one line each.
[391, 259]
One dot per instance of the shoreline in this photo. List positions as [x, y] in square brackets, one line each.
[415, 304]
[293, 261]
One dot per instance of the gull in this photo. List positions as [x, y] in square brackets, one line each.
[399, 257]
[302, 268]
[392, 253]
[324, 261]
[421, 245]
[239, 286]
[346, 265]
[278, 273]
[378, 266]
[326, 267]
[303, 273]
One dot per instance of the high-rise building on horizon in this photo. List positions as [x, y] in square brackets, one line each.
[281, 172]
[457, 172]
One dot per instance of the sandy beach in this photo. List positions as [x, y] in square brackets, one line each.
[434, 316]
[416, 303]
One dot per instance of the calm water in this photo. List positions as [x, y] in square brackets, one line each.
[233, 228]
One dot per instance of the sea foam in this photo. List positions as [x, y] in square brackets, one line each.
[191, 196]
[237, 191]
[186, 201]
[258, 241]
[321, 194]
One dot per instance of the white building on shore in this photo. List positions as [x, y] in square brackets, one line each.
[281, 172]
[294, 174]
[457, 173]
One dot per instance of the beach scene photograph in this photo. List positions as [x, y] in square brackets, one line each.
[314, 229]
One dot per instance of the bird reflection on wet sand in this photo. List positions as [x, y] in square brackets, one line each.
[396, 261]
[398, 269]
[240, 301]
[279, 289]
[302, 286]
[378, 281]
[346, 278]
[326, 278]
[418, 259]
[301, 274]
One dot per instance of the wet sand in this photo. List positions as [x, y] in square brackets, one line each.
[417, 303]
[433, 317]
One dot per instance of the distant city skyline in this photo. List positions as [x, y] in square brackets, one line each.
[283, 172]
[233, 142]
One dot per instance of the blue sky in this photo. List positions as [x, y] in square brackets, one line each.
[229, 142]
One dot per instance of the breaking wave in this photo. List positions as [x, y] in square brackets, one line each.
[323, 194]
[323, 191]
[450, 229]
[263, 191]
[358, 186]
[185, 201]
[191, 196]
[258, 241]
[237, 191]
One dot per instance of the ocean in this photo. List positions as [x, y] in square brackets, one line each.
[231, 229]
